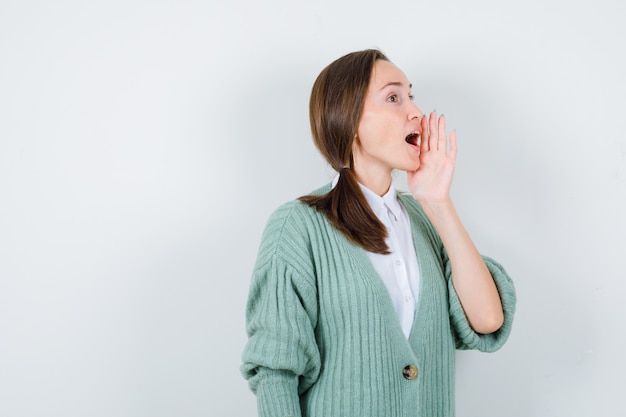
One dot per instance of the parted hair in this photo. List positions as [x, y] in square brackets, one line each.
[335, 109]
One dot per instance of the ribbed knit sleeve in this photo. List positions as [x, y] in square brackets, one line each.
[281, 359]
[466, 337]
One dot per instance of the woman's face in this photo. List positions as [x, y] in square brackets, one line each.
[386, 137]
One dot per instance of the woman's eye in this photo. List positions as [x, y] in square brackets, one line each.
[411, 97]
[392, 99]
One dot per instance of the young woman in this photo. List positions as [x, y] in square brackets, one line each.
[360, 294]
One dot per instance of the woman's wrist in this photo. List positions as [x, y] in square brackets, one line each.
[437, 208]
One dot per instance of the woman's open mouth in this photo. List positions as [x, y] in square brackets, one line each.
[413, 138]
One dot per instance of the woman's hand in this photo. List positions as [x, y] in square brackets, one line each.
[431, 182]
[430, 186]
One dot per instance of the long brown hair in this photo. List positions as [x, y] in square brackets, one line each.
[335, 110]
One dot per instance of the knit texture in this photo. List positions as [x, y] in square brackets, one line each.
[324, 338]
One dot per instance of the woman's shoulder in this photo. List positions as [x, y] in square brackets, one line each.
[290, 229]
[296, 210]
[293, 218]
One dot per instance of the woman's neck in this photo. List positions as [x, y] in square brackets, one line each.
[378, 182]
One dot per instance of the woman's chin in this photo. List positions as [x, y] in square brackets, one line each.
[411, 166]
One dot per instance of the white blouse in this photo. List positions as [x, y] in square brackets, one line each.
[399, 270]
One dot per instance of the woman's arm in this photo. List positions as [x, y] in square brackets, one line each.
[281, 358]
[430, 186]
[471, 278]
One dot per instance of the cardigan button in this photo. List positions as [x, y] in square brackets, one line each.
[410, 372]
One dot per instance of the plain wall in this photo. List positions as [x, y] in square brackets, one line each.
[143, 145]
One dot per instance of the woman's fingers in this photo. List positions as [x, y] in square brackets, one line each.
[437, 132]
[425, 136]
[433, 143]
[453, 147]
[433, 178]
[441, 135]
[434, 137]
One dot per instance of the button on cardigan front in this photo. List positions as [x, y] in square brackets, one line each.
[410, 372]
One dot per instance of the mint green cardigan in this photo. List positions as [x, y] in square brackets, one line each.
[324, 338]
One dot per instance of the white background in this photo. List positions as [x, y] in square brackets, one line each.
[143, 144]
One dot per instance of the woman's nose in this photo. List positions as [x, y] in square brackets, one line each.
[415, 112]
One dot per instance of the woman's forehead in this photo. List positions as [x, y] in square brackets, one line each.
[385, 73]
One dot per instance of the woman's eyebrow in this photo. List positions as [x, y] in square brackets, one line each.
[396, 83]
